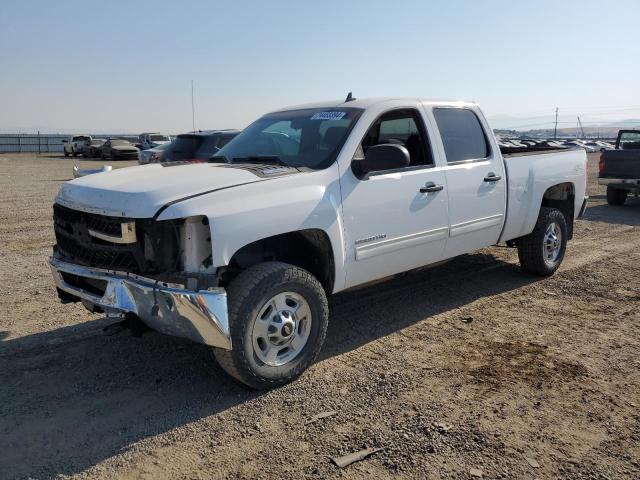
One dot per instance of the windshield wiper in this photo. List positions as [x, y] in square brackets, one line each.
[261, 159]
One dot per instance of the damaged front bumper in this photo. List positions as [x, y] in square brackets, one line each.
[200, 316]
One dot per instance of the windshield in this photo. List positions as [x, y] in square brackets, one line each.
[298, 138]
[159, 138]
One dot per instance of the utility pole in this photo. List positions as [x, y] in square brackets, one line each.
[555, 129]
[193, 111]
[581, 127]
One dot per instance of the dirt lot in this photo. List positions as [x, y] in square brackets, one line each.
[471, 365]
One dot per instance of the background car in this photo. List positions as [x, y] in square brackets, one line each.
[92, 147]
[579, 144]
[74, 144]
[197, 146]
[152, 155]
[152, 140]
[118, 149]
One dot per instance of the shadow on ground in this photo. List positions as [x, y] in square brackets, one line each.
[83, 397]
[627, 214]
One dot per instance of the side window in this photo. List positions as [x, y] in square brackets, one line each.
[462, 134]
[402, 127]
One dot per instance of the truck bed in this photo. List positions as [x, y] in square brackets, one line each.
[526, 172]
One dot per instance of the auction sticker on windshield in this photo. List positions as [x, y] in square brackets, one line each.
[328, 115]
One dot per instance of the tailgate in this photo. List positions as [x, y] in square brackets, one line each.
[621, 164]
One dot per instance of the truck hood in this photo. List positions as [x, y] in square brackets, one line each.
[140, 191]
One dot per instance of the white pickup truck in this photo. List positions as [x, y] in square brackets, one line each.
[241, 253]
[75, 144]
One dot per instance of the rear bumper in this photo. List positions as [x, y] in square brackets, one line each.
[631, 182]
[200, 316]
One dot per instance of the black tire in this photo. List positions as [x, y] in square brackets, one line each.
[531, 248]
[616, 196]
[246, 295]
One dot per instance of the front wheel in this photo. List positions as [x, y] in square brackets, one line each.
[542, 251]
[278, 316]
[616, 196]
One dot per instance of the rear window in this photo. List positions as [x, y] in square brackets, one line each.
[185, 147]
[462, 134]
[159, 138]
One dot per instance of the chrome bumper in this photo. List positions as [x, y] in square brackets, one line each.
[199, 316]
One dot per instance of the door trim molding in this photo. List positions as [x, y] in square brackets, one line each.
[392, 244]
[475, 225]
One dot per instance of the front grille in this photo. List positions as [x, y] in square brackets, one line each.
[74, 241]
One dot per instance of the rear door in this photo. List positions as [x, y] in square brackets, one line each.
[392, 224]
[475, 179]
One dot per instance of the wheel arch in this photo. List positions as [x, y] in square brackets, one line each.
[562, 197]
[310, 249]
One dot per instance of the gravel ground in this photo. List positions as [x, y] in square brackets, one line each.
[468, 369]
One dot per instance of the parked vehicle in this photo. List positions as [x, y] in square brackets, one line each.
[197, 146]
[579, 144]
[152, 155]
[92, 147]
[241, 253]
[75, 144]
[152, 140]
[118, 149]
[619, 169]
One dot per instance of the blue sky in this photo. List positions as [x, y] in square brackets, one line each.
[127, 66]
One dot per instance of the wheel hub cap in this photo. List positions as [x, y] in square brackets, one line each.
[281, 328]
[552, 243]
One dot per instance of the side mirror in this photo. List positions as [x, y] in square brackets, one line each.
[387, 156]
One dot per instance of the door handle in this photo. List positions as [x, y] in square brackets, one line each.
[492, 177]
[431, 187]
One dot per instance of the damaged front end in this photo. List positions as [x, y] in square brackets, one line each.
[160, 271]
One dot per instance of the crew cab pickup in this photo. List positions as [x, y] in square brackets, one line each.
[241, 252]
[75, 144]
[619, 169]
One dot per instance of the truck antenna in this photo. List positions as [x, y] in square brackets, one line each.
[349, 97]
[193, 110]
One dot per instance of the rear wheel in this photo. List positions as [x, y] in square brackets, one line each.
[542, 251]
[278, 316]
[616, 196]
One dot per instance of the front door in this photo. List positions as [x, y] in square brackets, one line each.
[395, 220]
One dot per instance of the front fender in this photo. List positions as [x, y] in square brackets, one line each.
[247, 213]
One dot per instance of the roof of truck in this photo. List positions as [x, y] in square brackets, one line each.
[368, 102]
